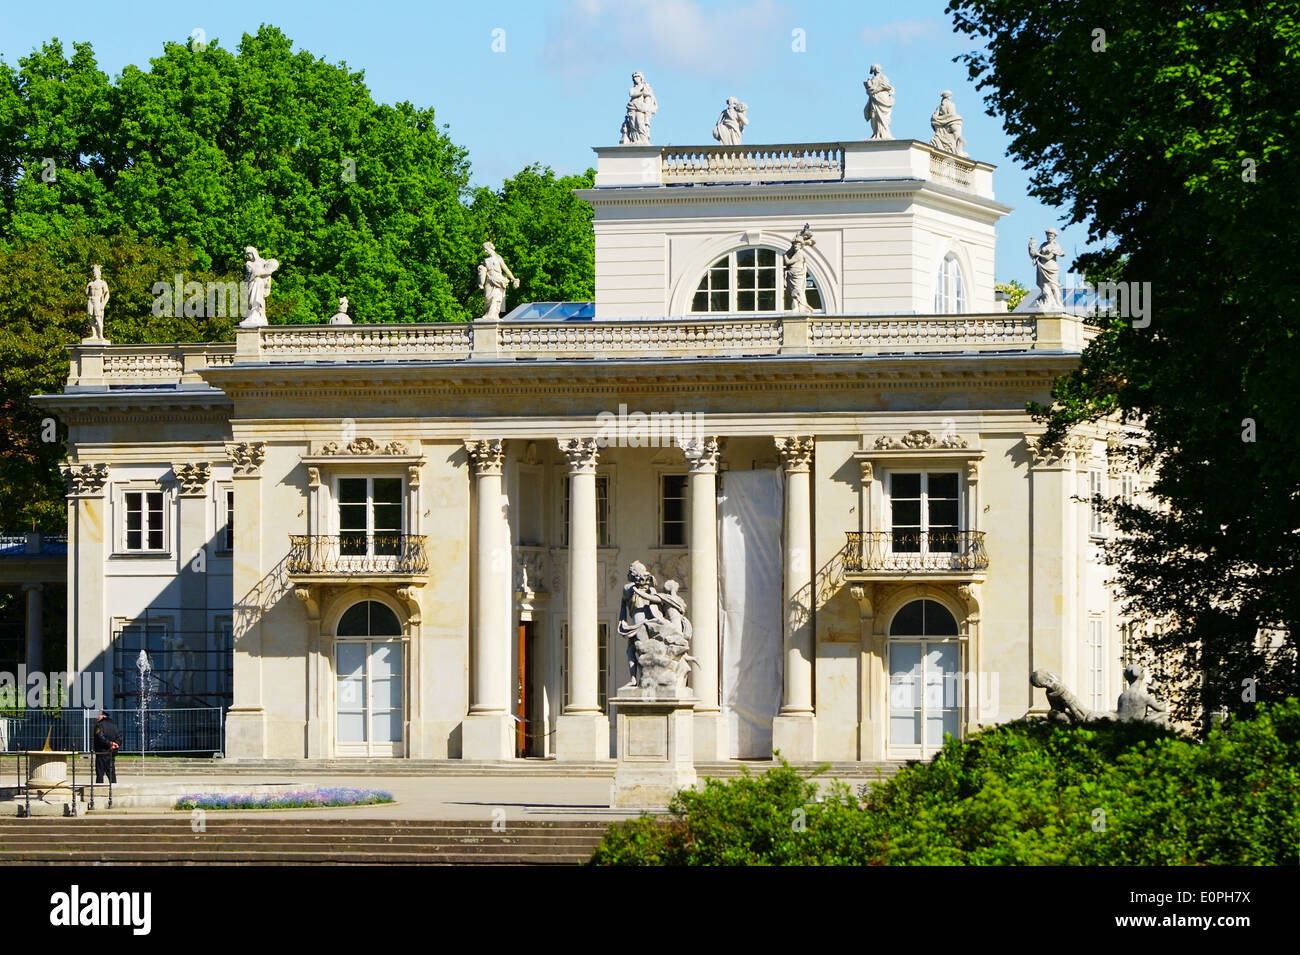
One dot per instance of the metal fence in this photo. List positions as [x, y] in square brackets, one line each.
[193, 730]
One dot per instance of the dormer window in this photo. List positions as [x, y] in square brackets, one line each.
[949, 291]
[748, 280]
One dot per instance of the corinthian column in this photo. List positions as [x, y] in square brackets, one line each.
[793, 729]
[711, 738]
[582, 730]
[488, 731]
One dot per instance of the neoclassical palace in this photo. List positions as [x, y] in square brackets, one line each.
[412, 540]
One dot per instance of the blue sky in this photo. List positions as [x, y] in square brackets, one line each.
[560, 84]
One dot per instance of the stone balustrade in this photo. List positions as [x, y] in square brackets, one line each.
[809, 162]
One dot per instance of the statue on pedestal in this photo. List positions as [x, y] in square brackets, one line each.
[493, 276]
[1047, 272]
[731, 123]
[946, 124]
[257, 278]
[341, 317]
[96, 300]
[641, 105]
[880, 103]
[657, 631]
[796, 269]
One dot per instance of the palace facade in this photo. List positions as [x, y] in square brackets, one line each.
[412, 540]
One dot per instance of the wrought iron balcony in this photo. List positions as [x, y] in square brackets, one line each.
[351, 555]
[889, 553]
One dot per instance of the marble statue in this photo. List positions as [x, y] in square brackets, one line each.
[641, 105]
[731, 123]
[880, 103]
[946, 124]
[341, 317]
[1136, 703]
[493, 276]
[96, 299]
[1065, 706]
[796, 269]
[257, 277]
[657, 631]
[1048, 273]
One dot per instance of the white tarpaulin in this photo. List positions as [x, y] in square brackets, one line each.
[749, 599]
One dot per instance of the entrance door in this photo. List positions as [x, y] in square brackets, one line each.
[369, 696]
[925, 691]
[528, 727]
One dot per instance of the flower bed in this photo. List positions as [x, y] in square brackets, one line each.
[299, 799]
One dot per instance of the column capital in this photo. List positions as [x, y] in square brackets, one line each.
[247, 457]
[193, 478]
[486, 456]
[85, 480]
[33, 586]
[582, 454]
[702, 455]
[796, 452]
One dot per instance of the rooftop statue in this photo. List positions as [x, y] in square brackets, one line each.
[880, 103]
[657, 631]
[946, 124]
[796, 269]
[341, 317]
[493, 276]
[1137, 704]
[96, 300]
[641, 105]
[731, 123]
[257, 277]
[1048, 273]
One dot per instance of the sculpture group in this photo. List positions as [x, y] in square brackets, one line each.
[657, 631]
[1136, 704]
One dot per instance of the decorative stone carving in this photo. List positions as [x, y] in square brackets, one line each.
[1136, 703]
[582, 454]
[920, 440]
[193, 478]
[486, 457]
[641, 106]
[796, 269]
[702, 455]
[796, 452]
[96, 300]
[257, 278]
[1065, 706]
[530, 455]
[313, 477]
[868, 472]
[247, 458]
[946, 124]
[879, 110]
[413, 475]
[341, 317]
[657, 631]
[671, 565]
[85, 480]
[1044, 455]
[493, 277]
[365, 446]
[731, 123]
[1047, 273]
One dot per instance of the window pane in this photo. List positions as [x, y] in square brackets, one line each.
[907, 514]
[745, 258]
[352, 490]
[745, 301]
[767, 257]
[767, 301]
[910, 621]
[700, 303]
[905, 485]
[943, 485]
[745, 279]
[388, 490]
[717, 301]
[388, 518]
[155, 540]
[943, 515]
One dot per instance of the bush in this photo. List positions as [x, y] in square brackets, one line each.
[1024, 793]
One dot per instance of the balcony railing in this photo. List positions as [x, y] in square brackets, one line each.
[346, 555]
[904, 552]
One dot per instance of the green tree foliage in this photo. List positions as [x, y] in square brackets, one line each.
[1027, 793]
[1014, 291]
[1167, 129]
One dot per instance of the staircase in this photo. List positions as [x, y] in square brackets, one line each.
[125, 841]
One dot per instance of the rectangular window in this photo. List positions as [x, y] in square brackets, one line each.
[370, 515]
[602, 510]
[228, 525]
[144, 520]
[925, 511]
[602, 665]
[672, 510]
[1097, 662]
[1096, 520]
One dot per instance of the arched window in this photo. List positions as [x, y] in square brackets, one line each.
[949, 290]
[926, 695]
[369, 618]
[749, 280]
[369, 685]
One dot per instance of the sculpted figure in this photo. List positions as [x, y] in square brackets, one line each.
[1065, 706]
[641, 105]
[880, 103]
[731, 123]
[946, 124]
[96, 299]
[341, 317]
[1047, 272]
[257, 277]
[493, 276]
[796, 269]
[656, 629]
[1137, 704]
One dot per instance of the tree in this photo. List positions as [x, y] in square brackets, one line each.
[1014, 291]
[1167, 129]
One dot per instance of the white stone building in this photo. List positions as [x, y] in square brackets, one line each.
[411, 540]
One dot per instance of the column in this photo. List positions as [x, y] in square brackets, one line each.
[246, 719]
[488, 731]
[793, 729]
[712, 741]
[582, 730]
[35, 657]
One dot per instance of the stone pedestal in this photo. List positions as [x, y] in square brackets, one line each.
[488, 736]
[656, 748]
[794, 736]
[47, 768]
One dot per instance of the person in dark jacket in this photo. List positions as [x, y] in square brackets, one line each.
[107, 740]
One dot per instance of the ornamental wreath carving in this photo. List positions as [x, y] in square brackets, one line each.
[919, 440]
[364, 446]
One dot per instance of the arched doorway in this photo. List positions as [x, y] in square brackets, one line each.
[925, 692]
[368, 667]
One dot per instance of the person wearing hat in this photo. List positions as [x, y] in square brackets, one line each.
[107, 740]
